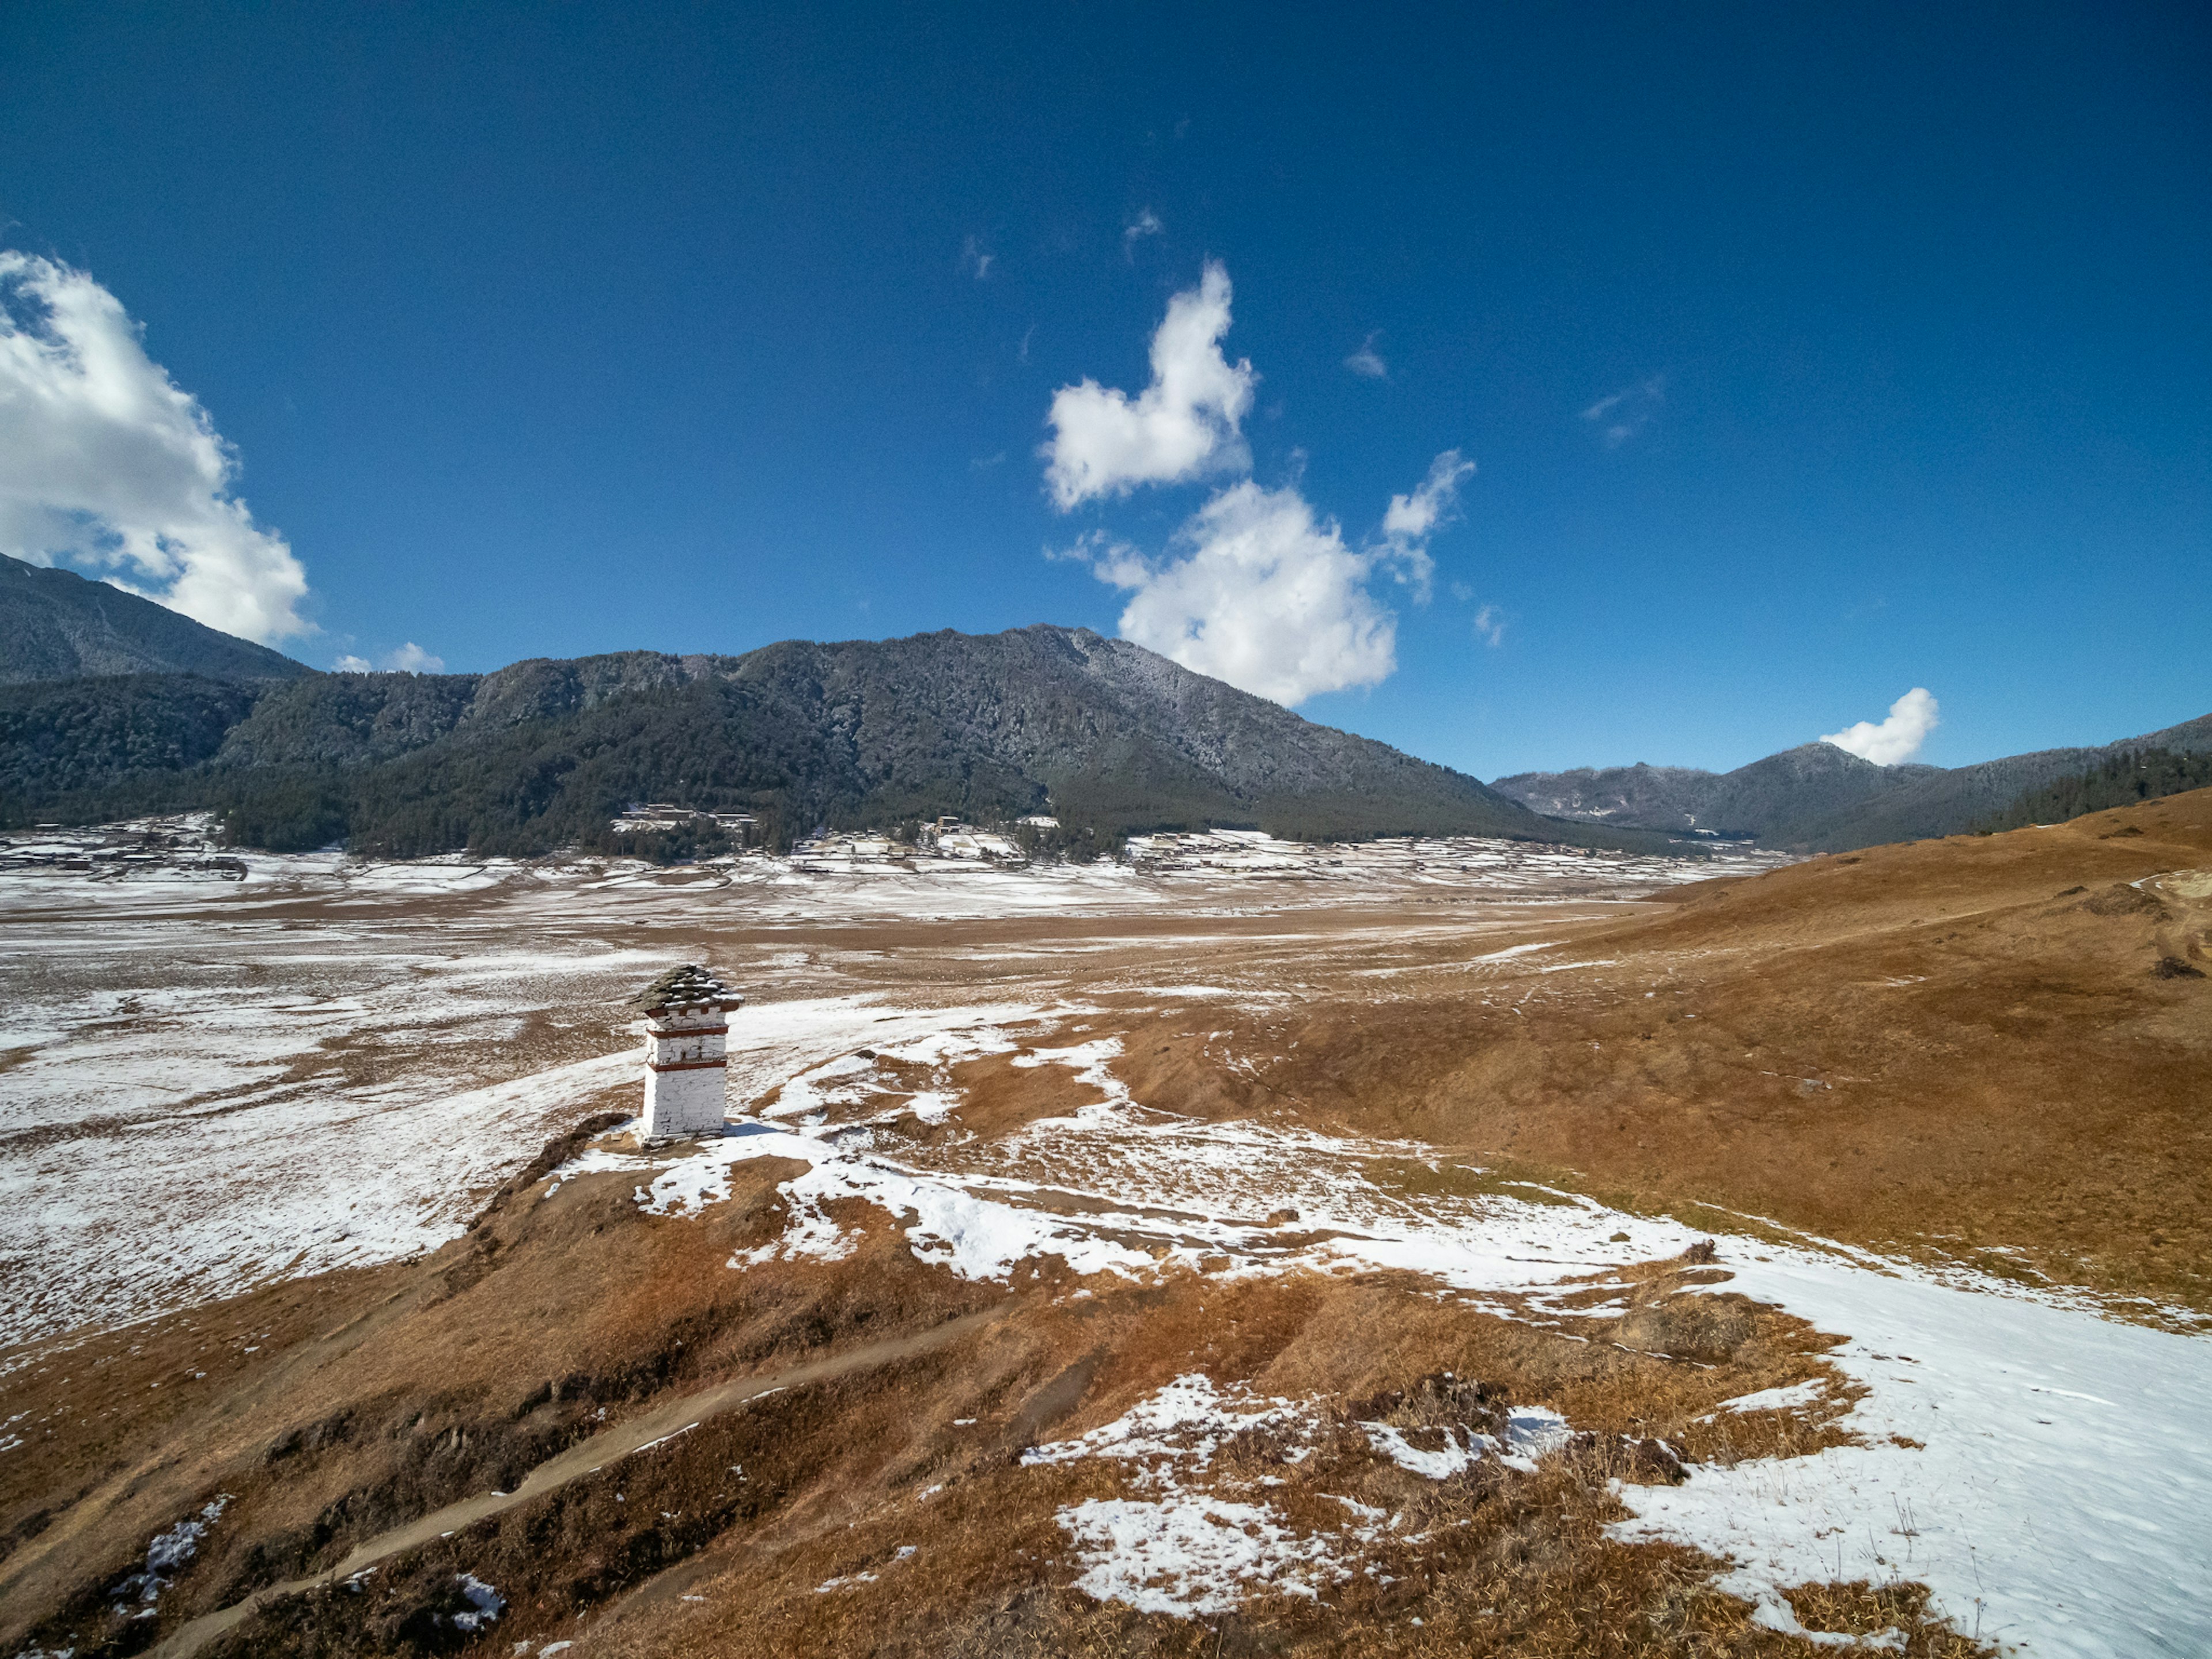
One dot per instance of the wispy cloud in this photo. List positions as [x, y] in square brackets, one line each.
[1899, 737]
[985, 463]
[1434, 500]
[106, 462]
[1188, 422]
[976, 258]
[1412, 517]
[1489, 620]
[1147, 223]
[1620, 415]
[1367, 363]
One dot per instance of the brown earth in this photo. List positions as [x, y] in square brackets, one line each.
[1989, 1048]
[1995, 1048]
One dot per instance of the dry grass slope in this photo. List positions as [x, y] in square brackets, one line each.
[1987, 1049]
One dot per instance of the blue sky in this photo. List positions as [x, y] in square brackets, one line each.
[541, 331]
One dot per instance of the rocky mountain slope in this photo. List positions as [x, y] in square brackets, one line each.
[1106, 735]
[1819, 798]
[55, 625]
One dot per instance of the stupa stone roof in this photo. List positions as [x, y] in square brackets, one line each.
[680, 988]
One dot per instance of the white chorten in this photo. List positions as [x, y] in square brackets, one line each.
[686, 1052]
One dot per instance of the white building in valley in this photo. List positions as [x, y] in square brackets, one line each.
[686, 1052]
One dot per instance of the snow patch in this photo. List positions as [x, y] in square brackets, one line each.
[1193, 1555]
[166, 1552]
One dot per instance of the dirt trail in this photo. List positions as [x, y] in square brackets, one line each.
[648, 1429]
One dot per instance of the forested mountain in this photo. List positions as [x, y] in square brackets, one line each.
[1821, 798]
[1106, 735]
[2132, 776]
[1776, 799]
[55, 625]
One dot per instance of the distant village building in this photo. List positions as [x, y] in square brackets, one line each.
[950, 838]
[638, 817]
[686, 1052]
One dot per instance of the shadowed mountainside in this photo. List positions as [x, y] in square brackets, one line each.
[55, 625]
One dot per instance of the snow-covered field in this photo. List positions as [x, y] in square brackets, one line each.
[209, 1079]
[2045, 1471]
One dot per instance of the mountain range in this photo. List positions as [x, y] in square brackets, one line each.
[1817, 797]
[111, 705]
[1106, 735]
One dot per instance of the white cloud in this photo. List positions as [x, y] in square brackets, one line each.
[1268, 597]
[1188, 422]
[1256, 588]
[1490, 625]
[1621, 414]
[1367, 363]
[1415, 515]
[106, 462]
[976, 259]
[1911, 718]
[1147, 223]
[409, 658]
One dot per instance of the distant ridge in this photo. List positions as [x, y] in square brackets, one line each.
[55, 625]
[1105, 735]
[1817, 797]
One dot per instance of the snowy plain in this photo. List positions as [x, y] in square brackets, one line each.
[206, 1084]
[328, 1062]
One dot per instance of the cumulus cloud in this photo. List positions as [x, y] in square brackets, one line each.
[1187, 423]
[1621, 414]
[1911, 718]
[1266, 596]
[1256, 587]
[1367, 363]
[349, 663]
[106, 462]
[1261, 591]
[1147, 223]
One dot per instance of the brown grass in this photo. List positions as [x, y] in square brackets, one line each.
[1968, 1049]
